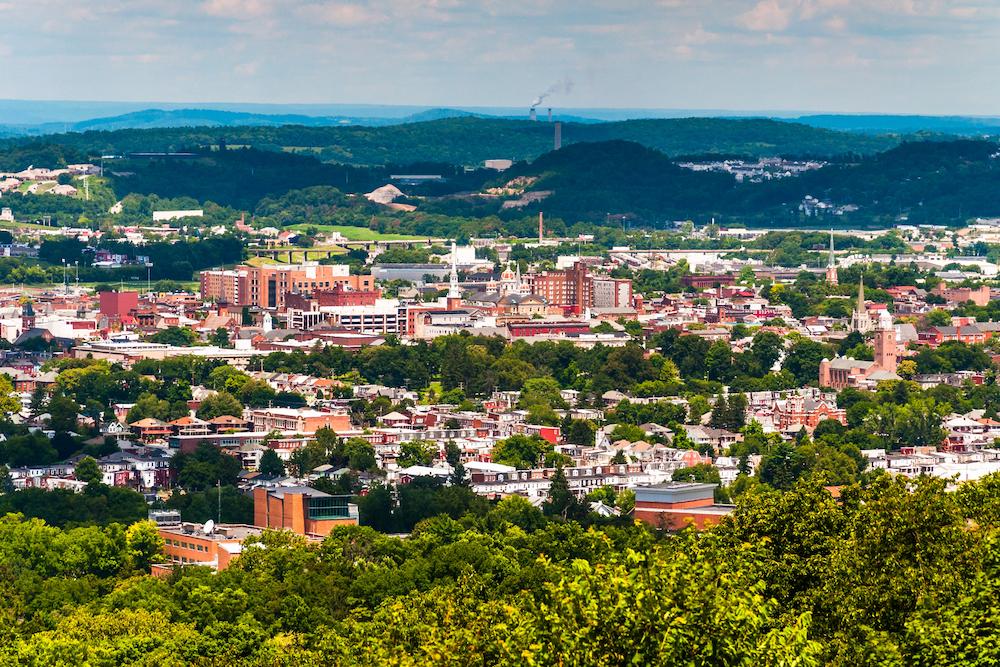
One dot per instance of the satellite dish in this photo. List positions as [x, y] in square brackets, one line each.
[209, 527]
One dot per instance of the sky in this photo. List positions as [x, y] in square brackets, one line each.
[890, 56]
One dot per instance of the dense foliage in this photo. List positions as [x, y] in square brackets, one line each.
[791, 578]
[466, 141]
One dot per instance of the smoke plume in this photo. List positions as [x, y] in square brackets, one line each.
[564, 85]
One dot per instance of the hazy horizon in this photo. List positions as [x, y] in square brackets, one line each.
[40, 111]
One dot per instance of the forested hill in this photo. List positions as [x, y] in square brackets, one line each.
[469, 141]
[588, 181]
[941, 182]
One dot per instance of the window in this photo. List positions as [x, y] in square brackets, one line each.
[328, 507]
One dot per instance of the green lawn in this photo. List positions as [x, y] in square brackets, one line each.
[358, 233]
[133, 285]
[6, 224]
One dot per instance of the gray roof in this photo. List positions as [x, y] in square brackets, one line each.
[846, 363]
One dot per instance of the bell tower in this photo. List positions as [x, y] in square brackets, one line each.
[27, 316]
[886, 353]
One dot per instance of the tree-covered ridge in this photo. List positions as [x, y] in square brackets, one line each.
[933, 181]
[592, 183]
[469, 141]
[895, 572]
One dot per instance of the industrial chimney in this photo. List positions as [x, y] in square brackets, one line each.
[532, 114]
[557, 140]
[541, 227]
[550, 114]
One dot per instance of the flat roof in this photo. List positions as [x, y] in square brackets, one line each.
[281, 491]
[233, 531]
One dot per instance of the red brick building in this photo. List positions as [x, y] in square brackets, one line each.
[267, 286]
[338, 295]
[192, 544]
[677, 505]
[305, 421]
[543, 328]
[700, 282]
[969, 333]
[570, 288]
[118, 305]
[797, 412]
[302, 510]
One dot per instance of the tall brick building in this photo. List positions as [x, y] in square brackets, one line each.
[577, 290]
[266, 286]
[302, 510]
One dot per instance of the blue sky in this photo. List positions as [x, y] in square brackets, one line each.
[903, 56]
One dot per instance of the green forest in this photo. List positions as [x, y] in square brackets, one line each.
[613, 177]
[469, 141]
[894, 572]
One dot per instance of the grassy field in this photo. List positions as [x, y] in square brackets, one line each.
[298, 255]
[359, 233]
[6, 224]
[135, 285]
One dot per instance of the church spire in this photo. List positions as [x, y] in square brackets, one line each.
[831, 267]
[860, 319]
[453, 291]
[454, 299]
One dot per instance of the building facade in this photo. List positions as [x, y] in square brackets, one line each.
[302, 510]
[266, 286]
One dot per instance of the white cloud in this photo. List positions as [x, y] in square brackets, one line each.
[237, 9]
[679, 53]
[343, 14]
[835, 24]
[247, 69]
[767, 16]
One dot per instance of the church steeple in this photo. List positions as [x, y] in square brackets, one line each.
[861, 321]
[831, 267]
[454, 293]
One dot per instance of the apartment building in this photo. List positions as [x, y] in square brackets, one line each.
[266, 286]
[305, 421]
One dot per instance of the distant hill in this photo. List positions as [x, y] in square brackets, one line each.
[927, 182]
[159, 118]
[471, 140]
[936, 182]
[590, 180]
[893, 124]
[211, 118]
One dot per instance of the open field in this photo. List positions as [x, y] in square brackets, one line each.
[358, 233]
[7, 224]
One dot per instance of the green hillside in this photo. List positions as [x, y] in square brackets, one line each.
[936, 182]
[469, 141]
[588, 181]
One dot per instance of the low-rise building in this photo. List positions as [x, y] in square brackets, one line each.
[677, 505]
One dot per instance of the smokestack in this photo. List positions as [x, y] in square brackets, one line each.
[541, 226]
[557, 141]
[532, 115]
[550, 114]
